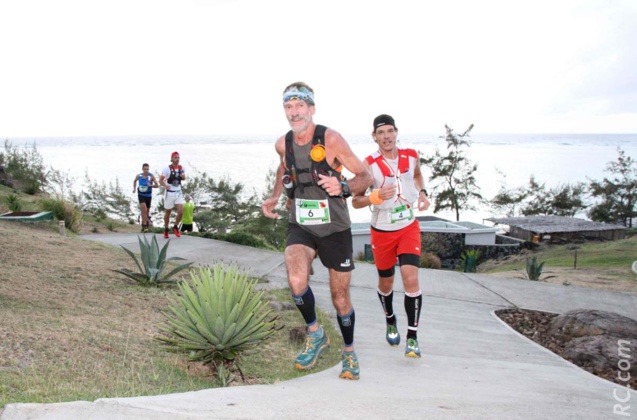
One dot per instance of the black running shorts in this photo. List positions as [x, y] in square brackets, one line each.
[335, 250]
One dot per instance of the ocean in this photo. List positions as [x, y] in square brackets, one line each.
[553, 159]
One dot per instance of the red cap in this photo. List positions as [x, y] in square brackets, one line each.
[174, 154]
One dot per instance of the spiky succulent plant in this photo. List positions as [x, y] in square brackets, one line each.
[154, 264]
[216, 316]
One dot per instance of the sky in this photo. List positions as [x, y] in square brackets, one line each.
[207, 67]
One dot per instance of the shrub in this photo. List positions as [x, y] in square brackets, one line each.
[32, 188]
[240, 238]
[217, 316]
[64, 210]
[430, 260]
[155, 263]
[100, 214]
[111, 225]
[14, 202]
[25, 166]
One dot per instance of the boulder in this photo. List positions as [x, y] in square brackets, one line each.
[598, 341]
[588, 322]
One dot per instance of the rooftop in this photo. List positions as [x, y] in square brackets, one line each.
[554, 224]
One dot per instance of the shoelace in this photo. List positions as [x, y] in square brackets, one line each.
[308, 345]
[349, 359]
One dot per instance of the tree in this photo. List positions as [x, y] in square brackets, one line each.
[506, 201]
[534, 199]
[274, 231]
[618, 194]
[568, 200]
[537, 200]
[454, 183]
[227, 204]
[110, 198]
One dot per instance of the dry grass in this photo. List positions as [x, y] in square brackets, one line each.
[73, 329]
[600, 265]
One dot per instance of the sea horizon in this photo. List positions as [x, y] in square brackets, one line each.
[553, 159]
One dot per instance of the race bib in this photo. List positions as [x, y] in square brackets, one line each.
[312, 212]
[399, 213]
[143, 188]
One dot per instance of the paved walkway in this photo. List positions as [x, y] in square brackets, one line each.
[473, 366]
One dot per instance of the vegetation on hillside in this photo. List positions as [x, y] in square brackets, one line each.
[72, 329]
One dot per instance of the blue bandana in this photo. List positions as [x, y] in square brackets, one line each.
[301, 93]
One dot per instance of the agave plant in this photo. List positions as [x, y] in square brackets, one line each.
[14, 202]
[217, 316]
[154, 263]
[470, 259]
[534, 270]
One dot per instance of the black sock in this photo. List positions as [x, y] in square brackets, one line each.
[388, 306]
[305, 303]
[346, 322]
[413, 304]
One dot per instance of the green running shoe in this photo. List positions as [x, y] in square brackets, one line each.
[412, 350]
[350, 366]
[315, 343]
[392, 335]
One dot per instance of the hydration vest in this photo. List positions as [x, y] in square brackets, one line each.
[175, 175]
[386, 170]
[290, 178]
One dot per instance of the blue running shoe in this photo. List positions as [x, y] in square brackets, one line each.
[315, 343]
[412, 350]
[350, 366]
[392, 335]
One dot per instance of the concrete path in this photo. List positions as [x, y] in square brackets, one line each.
[473, 366]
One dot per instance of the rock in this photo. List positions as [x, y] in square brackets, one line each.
[603, 343]
[585, 323]
[599, 353]
[592, 340]
[297, 334]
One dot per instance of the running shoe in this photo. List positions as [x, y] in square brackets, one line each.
[166, 233]
[392, 335]
[412, 350]
[351, 370]
[177, 234]
[315, 343]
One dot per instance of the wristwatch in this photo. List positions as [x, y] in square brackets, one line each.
[425, 191]
[346, 192]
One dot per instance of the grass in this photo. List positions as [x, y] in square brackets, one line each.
[591, 254]
[601, 265]
[73, 330]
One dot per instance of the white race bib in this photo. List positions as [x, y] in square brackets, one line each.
[312, 212]
[399, 213]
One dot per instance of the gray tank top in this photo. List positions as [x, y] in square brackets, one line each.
[339, 213]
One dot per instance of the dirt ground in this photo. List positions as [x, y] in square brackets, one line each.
[45, 274]
[593, 278]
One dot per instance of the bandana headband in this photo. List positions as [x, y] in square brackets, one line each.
[300, 93]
